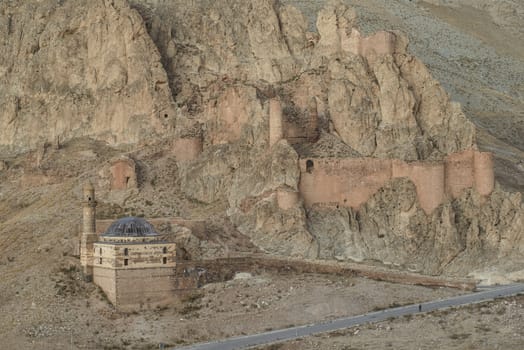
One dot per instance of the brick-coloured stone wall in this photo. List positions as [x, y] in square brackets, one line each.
[350, 182]
[123, 174]
[347, 182]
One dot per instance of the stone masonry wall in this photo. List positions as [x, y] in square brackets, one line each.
[105, 279]
[145, 288]
[351, 182]
[138, 255]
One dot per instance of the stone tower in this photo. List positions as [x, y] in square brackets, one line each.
[89, 236]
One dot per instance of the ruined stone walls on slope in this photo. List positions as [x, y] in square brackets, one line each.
[368, 91]
[258, 183]
[350, 182]
[379, 99]
[79, 68]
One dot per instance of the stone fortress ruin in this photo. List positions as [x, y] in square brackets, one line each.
[348, 181]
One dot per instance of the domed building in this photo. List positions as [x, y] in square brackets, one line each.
[132, 263]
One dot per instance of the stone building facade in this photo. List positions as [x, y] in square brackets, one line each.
[132, 263]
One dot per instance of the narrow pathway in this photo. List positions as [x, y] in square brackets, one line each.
[347, 322]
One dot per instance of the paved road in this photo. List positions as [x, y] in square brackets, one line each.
[347, 322]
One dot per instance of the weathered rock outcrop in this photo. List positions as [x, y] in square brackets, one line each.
[255, 94]
[392, 228]
[79, 68]
[252, 80]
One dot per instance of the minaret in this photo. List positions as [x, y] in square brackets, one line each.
[89, 236]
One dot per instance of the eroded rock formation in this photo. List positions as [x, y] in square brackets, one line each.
[257, 98]
[79, 68]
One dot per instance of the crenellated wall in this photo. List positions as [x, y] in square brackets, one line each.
[350, 182]
[483, 173]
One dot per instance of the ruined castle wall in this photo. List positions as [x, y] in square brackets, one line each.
[276, 132]
[429, 180]
[287, 199]
[187, 149]
[484, 173]
[380, 43]
[123, 174]
[459, 172]
[351, 182]
[346, 182]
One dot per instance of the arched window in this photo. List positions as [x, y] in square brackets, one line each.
[164, 250]
[126, 261]
[309, 166]
[126, 251]
[164, 260]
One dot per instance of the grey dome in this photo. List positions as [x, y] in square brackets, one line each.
[130, 227]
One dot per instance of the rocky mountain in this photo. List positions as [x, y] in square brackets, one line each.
[77, 68]
[222, 108]
[298, 128]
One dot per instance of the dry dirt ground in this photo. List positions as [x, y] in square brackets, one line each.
[81, 317]
[490, 325]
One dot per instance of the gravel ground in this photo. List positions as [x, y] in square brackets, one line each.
[81, 318]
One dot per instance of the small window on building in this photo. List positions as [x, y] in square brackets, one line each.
[100, 251]
[126, 251]
[164, 260]
[126, 261]
[164, 250]
[309, 166]
[100, 261]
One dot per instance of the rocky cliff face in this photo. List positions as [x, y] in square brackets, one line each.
[219, 71]
[393, 229]
[79, 68]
